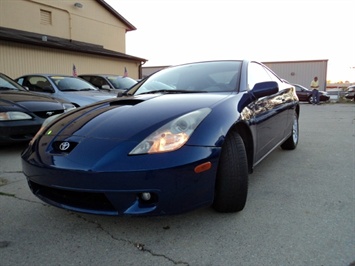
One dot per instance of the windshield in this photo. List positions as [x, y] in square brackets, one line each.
[71, 84]
[8, 84]
[122, 83]
[219, 76]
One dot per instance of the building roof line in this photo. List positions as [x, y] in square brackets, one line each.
[296, 61]
[24, 37]
[117, 15]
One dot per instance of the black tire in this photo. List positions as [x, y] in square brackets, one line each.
[292, 141]
[232, 176]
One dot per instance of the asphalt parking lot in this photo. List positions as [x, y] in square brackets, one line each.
[300, 211]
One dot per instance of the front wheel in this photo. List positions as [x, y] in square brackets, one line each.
[292, 141]
[232, 176]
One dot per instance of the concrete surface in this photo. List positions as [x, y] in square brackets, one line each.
[300, 211]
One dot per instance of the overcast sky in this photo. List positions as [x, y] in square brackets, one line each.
[171, 32]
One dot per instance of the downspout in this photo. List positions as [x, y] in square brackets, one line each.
[66, 11]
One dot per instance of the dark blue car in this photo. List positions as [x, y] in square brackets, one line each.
[184, 138]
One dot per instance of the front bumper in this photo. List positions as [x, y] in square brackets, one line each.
[173, 189]
[18, 131]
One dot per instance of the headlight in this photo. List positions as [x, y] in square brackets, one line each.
[172, 135]
[8, 116]
[68, 106]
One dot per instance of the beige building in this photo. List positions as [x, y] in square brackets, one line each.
[46, 36]
[302, 72]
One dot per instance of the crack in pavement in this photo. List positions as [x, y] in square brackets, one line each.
[27, 200]
[11, 172]
[139, 246]
[4, 182]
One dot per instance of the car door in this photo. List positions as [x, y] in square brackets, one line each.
[270, 112]
[302, 94]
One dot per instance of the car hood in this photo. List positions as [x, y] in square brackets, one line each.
[130, 117]
[11, 100]
[82, 98]
[107, 131]
[102, 95]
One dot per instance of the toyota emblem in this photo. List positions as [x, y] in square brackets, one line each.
[64, 146]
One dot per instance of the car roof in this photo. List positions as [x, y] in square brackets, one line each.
[300, 86]
[102, 75]
[48, 75]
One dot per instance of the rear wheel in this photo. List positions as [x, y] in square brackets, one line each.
[292, 141]
[310, 99]
[232, 176]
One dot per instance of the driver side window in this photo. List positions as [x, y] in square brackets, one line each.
[37, 83]
[257, 73]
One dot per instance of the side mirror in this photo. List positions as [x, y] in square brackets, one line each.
[259, 90]
[106, 87]
[263, 89]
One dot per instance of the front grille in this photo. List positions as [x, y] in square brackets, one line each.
[81, 200]
[46, 114]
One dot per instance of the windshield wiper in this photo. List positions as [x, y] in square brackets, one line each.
[68, 90]
[170, 91]
[87, 89]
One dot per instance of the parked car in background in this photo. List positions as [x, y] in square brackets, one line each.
[183, 138]
[350, 93]
[305, 95]
[114, 83]
[68, 88]
[22, 112]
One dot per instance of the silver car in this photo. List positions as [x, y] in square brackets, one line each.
[113, 83]
[350, 93]
[72, 89]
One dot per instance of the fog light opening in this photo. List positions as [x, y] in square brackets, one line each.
[146, 196]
